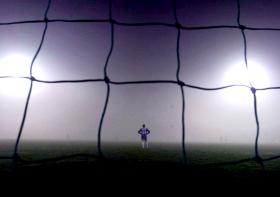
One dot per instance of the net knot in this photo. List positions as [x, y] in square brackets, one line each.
[181, 83]
[113, 21]
[46, 20]
[106, 79]
[253, 90]
[242, 27]
[178, 25]
[32, 78]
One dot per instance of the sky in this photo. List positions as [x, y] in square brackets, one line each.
[79, 50]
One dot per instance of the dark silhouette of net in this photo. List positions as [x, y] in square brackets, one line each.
[257, 158]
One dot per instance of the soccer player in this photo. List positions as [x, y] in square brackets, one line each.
[144, 133]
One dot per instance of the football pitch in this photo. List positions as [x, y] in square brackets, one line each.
[205, 162]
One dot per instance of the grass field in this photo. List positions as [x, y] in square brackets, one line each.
[128, 161]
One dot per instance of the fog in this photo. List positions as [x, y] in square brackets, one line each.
[74, 51]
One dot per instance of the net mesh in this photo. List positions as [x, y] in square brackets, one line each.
[181, 84]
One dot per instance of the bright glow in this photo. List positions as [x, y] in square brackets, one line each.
[14, 65]
[256, 74]
[238, 74]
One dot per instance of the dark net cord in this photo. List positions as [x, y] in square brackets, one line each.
[257, 157]
[107, 80]
[139, 24]
[178, 79]
[16, 156]
[178, 82]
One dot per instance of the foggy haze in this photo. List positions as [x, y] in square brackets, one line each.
[73, 51]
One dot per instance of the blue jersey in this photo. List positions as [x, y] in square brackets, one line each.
[144, 132]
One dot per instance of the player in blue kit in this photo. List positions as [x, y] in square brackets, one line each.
[144, 133]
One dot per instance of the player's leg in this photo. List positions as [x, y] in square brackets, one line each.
[146, 143]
